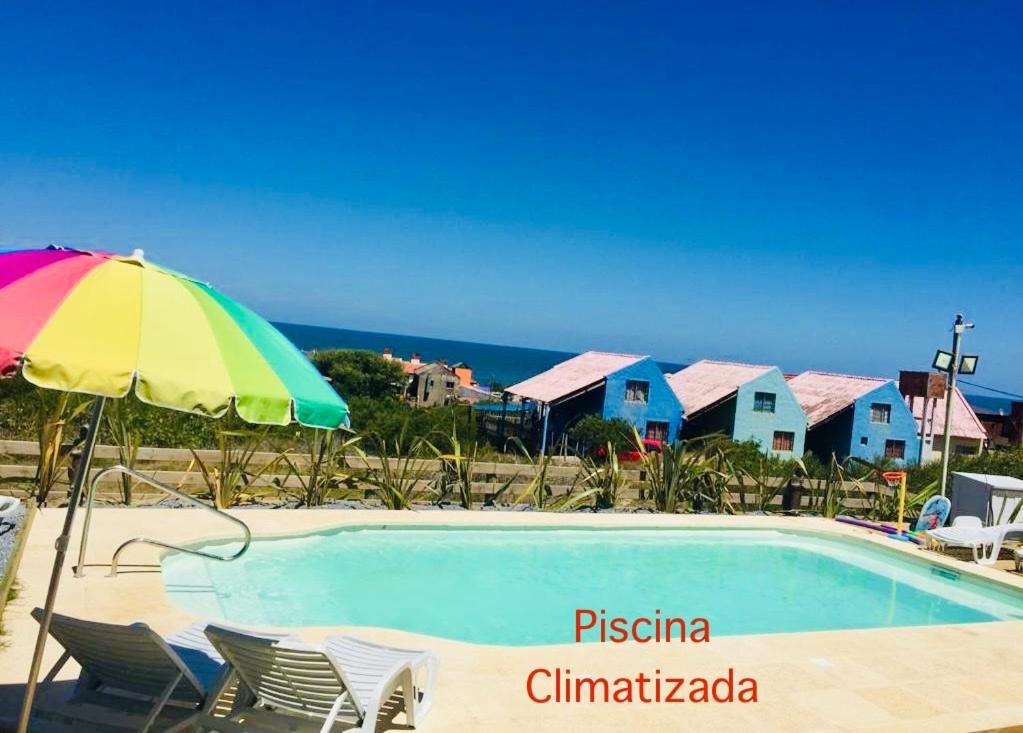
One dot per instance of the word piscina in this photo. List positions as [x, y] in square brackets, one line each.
[642, 629]
[560, 686]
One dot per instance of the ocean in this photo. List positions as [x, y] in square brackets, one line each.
[491, 363]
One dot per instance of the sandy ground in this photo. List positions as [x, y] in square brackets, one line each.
[938, 678]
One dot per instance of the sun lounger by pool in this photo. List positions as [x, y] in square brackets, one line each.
[986, 542]
[131, 677]
[291, 683]
[127, 673]
[353, 653]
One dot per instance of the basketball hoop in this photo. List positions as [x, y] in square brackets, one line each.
[893, 478]
[896, 481]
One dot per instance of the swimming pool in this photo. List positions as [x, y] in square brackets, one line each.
[521, 586]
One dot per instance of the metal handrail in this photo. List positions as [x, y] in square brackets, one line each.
[142, 478]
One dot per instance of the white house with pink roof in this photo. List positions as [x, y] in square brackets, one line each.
[968, 434]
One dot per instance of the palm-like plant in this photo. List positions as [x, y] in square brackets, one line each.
[52, 414]
[323, 468]
[603, 480]
[232, 477]
[691, 474]
[828, 494]
[123, 433]
[457, 467]
[882, 504]
[538, 490]
[765, 484]
[402, 467]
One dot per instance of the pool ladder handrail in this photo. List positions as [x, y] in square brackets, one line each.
[142, 478]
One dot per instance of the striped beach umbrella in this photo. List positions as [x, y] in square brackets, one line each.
[106, 325]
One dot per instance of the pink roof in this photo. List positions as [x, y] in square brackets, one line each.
[707, 382]
[965, 423]
[572, 375]
[822, 394]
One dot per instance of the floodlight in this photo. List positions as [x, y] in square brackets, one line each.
[943, 361]
[968, 364]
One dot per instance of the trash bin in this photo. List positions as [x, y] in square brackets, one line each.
[792, 496]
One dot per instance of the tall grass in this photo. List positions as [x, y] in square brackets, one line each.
[53, 415]
[126, 438]
[691, 475]
[322, 470]
[232, 478]
[457, 469]
[603, 480]
[538, 490]
[397, 481]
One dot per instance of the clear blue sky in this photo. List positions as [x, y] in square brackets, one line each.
[817, 185]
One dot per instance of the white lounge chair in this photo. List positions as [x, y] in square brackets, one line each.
[353, 653]
[986, 542]
[296, 686]
[131, 677]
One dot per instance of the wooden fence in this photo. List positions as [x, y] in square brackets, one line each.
[177, 467]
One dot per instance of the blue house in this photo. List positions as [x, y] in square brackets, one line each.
[742, 401]
[626, 386]
[862, 417]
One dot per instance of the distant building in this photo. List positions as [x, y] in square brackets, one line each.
[625, 386]
[743, 401]
[968, 434]
[432, 384]
[855, 416]
[1004, 427]
[464, 373]
[435, 383]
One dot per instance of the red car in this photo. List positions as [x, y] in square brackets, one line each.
[631, 455]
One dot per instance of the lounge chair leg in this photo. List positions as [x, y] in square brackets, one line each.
[160, 702]
[57, 667]
[408, 691]
[424, 695]
[331, 718]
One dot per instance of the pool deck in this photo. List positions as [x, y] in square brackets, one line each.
[934, 678]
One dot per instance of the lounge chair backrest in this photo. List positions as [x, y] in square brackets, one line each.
[967, 521]
[130, 658]
[297, 677]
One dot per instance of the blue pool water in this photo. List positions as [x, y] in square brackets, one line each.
[522, 586]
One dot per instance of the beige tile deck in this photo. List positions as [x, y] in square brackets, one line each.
[940, 678]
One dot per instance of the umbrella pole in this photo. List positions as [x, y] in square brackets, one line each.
[80, 477]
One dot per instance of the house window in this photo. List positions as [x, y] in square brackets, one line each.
[895, 449]
[881, 412]
[657, 431]
[864, 440]
[636, 390]
[965, 450]
[763, 402]
[449, 384]
[783, 441]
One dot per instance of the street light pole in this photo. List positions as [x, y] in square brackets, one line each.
[950, 390]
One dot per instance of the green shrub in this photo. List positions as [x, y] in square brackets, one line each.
[363, 374]
[592, 431]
